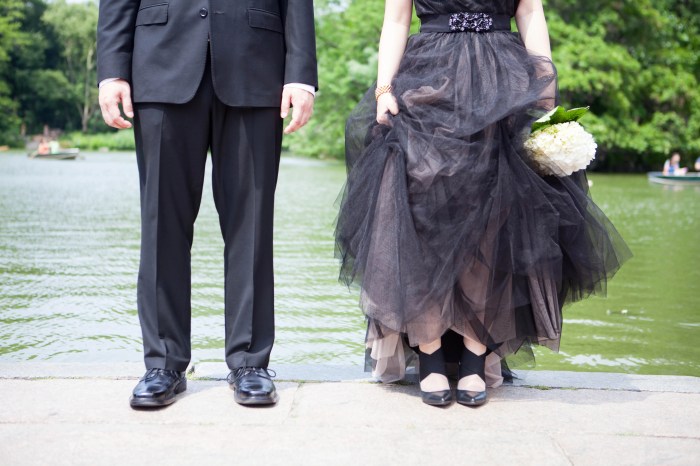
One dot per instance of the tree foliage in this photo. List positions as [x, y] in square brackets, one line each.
[635, 63]
[11, 36]
[347, 57]
[75, 27]
[41, 91]
[47, 66]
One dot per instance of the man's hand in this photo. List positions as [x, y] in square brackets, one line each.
[111, 95]
[302, 103]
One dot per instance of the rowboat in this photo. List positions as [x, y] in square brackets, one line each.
[689, 179]
[63, 154]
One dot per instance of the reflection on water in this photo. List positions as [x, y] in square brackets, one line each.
[69, 239]
[69, 252]
[649, 321]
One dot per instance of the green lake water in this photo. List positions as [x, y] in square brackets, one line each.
[69, 249]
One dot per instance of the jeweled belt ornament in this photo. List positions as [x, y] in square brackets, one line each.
[471, 22]
[464, 22]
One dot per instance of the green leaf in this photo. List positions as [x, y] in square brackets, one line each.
[558, 115]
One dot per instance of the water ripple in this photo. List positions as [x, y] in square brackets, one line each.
[69, 252]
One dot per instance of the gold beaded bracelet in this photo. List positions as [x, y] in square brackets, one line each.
[382, 90]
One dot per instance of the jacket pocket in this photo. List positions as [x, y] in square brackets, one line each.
[152, 14]
[264, 20]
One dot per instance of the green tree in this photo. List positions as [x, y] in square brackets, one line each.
[11, 14]
[636, 64]
[347, 58]
[41, 91]
[74, 25]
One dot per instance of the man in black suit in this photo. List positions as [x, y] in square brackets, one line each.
[203, 75]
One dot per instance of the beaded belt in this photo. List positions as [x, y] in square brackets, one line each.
[464, 22]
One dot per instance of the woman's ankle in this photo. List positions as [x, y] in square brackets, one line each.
[472, 367]
[474, 346]
[472, 383]
[433, 374]
[435, 383]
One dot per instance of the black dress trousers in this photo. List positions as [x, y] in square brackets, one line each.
[172, 141]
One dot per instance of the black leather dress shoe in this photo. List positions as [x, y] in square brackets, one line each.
[253, 386]
[158, 388]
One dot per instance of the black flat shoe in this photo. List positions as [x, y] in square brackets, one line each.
[469, 398]
[158, 388]
[471, 364]
[441, 398]
[253, 386]
[433, 364]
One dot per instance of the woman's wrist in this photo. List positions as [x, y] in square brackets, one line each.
[381, 90]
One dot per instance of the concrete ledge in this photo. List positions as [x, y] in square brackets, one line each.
[330, 373]
[87, 421]
[78, 414]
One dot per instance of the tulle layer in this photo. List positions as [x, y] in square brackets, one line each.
[444, 225]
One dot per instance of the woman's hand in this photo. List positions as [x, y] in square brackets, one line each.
[386, 103]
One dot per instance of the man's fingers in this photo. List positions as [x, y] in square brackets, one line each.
[121, 123]
[295, 124]
[302, 107]
[116, 117]
[111, 95]
[113, 117]
[286, 102]
[108, 113]
[127, 105]
[300, 116]
[292, 126]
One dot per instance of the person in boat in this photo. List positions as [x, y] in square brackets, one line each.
[697, 164]
[43, 148]
[54, 147]
[672, 166]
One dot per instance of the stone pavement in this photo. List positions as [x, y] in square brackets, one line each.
[79, 415]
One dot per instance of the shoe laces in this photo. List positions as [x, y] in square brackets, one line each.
[150, 373]
[243, 371]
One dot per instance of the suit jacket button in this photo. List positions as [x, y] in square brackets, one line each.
[203, 12]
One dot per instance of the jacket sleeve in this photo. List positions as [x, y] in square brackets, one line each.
[115, 38]
[300, 42]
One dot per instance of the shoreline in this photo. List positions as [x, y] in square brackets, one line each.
[307, 373]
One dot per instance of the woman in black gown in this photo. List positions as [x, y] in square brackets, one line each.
[443, 224]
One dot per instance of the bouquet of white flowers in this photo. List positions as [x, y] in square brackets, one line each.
[558, 144]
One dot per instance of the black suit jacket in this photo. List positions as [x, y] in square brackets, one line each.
[160, 47]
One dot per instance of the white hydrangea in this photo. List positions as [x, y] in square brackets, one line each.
[561, 149]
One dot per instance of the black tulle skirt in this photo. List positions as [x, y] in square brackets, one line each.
[444, 225]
